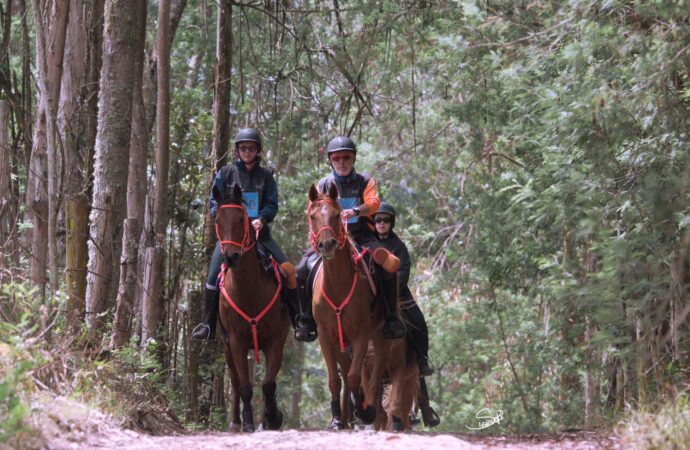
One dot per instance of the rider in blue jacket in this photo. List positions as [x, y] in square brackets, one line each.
[260, 197]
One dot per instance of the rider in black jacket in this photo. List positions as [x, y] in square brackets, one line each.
[418, 332]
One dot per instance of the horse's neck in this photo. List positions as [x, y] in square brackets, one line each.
[248, 272]
[339, 270]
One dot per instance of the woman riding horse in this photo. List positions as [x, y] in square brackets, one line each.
[260, 196]
[251, 315]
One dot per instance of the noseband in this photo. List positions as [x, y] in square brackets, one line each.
[341, 235]
[247, 242]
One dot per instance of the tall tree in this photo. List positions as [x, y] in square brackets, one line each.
[136, 189]
[7, 210]
[77, 126]
[111, 157]
[151, 306]
[50, 22]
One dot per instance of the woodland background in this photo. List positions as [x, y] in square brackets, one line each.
[536, 151]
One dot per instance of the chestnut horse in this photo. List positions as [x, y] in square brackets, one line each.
[341, 302]
[251, 313]
[401, 371]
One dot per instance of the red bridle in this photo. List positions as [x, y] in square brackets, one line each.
[247, 242]
[341, 235]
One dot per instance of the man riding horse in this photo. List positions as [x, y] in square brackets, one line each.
[260, 197]
[359, 199]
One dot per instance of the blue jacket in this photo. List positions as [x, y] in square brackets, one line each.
[259, 189]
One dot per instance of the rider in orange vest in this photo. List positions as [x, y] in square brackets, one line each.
[359, 199]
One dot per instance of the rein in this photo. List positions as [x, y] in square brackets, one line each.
[253, 322]
[246, 243]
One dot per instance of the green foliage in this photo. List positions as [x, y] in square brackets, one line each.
[20, 355]
[12, 407]
[665, 427]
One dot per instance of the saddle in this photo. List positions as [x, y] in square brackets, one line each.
[266, 261]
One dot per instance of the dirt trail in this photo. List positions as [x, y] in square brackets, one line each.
[61, 423]
[343, 440]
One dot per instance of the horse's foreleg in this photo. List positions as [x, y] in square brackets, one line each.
[363, 404]
[334, 383]
[239, 353]
[273, 417]
[235, 386]
[374, 388]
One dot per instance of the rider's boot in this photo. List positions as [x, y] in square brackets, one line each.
[206, 330]
[430, 417]
[393, 328]
[305, 327]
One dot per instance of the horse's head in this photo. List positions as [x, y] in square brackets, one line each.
[233, 229]
[326, 230]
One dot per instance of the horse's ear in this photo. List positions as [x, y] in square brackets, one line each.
[217, 195]
[313, 193]
[333, 191]
[236, 192]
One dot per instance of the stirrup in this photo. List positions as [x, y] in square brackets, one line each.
[202, 332]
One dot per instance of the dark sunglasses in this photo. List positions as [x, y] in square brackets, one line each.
[337, 159]
[383, 219]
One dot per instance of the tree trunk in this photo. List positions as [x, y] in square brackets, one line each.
[74, 117]
[151, 307]
[136, 189]
[6, 200]
[111, 156]
[592, 396]
[49, 58]
[221, 94]
[7, 213]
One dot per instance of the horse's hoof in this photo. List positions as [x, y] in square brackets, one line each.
[397, 424]
[336, 424]
[367, 415]
[273, 422]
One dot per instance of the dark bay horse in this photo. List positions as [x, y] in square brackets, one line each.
[251, 313]
[342, 302]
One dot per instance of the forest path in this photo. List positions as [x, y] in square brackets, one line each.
[346, 440]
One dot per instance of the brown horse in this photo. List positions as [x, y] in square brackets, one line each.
[341, 303]
[251, 313]
[402, 374]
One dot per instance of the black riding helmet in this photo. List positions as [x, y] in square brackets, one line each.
[341, 143]
[387, 208]
[248, 135]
